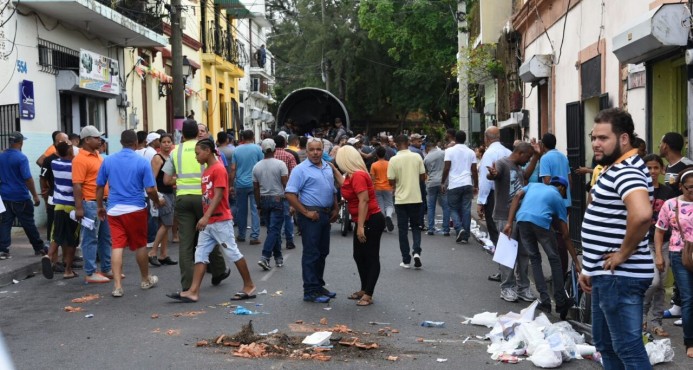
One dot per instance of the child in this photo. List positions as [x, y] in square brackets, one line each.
[215, 226]
[383, 190]
[654, 296]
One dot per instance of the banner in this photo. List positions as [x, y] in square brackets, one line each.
[98, 73]
[27, 109]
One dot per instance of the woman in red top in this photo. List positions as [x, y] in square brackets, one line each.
[357, 189]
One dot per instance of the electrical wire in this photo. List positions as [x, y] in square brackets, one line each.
[565, 21]
[16, 57]
[601, 28]
[12, 14]
[543, 25]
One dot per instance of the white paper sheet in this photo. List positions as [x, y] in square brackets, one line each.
[506, 251]
[2, 206]
[86, 222]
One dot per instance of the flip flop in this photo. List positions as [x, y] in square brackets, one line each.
[240, 296]
[74, 275]
[180, 298]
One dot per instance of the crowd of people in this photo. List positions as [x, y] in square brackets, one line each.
[200, 189]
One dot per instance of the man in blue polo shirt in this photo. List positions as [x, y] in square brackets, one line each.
[245, 157]
[127, 174]
[15, 185]
[312, 193]
[541, 205]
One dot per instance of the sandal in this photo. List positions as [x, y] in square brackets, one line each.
[356, 295]
[74, 275]
[660, 332]
[365, 301]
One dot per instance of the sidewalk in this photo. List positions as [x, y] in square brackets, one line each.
[23, 263]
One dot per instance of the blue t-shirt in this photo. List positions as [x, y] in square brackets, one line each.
[554, 163]
[314, 185]
[541, 204]
[14, 171]
[127, 174]
[245, 157]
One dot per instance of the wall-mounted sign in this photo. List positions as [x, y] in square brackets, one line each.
[98, 73]
[27, 107]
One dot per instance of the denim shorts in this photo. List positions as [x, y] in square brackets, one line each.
[219, 233]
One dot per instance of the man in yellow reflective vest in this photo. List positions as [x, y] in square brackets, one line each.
[183, 170]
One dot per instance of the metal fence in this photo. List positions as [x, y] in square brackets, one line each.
[9, 122]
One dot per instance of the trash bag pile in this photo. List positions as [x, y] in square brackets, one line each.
[482, 237]
[524, 337]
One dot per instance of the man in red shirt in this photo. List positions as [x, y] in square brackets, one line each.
[215, 227]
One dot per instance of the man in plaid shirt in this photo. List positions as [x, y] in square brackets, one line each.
[281, 154]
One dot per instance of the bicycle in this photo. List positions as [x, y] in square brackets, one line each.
[582, 302]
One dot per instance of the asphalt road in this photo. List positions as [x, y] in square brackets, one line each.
[122, 334]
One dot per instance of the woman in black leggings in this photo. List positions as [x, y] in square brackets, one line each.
[357, 189]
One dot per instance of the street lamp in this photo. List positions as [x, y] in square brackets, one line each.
[186, 66]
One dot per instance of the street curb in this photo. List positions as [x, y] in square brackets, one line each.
[20, 273]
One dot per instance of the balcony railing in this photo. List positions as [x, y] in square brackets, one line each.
[269, 63]
[146, 13]
[221, 42]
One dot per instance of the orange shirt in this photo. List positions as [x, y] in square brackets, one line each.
[85, 167]
[50, 150]
[379, 174]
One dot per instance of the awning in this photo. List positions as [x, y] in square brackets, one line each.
[165, 52]
[68, 80]
[536, 68]
[655, 33]
[234, 8]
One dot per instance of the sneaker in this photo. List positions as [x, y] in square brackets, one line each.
[154, 261]
[167, 261]
[674, 311]
[265, 264]
[118, 292]
[316, 298]
[460, 236]
[430, 232]
[417, 261]
[47, 267]
[563, 310]
[495, 277]
[389, 224]
[217, 280]
[290, 245]
[526, 295]
[240, 240]
[327, 293]
[96, 278]
[279, 262]
[150, 283]
[150, 245]
[5, 255]
[544, 307]
[678, 322]
[404, 265]
[41, 252]
[508, 295]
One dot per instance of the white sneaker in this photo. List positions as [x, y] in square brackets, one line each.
[417, 261]
[526, 295]
[678, 322]
[507, 294]
[149, 245]
[151, 282]
[404, 265]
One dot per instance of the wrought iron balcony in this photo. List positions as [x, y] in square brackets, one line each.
[222, 43]
[145, 12]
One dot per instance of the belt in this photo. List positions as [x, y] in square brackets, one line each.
[318, 209]
[94, 200]
[275, 198]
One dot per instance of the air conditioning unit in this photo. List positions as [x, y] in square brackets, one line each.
[122, 100]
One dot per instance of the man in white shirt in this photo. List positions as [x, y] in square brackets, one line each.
[485, 201]
[460, 181]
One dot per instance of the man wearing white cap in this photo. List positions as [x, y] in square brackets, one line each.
[152, 144]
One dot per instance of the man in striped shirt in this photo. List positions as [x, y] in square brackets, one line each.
[65, 231]
[617, 265]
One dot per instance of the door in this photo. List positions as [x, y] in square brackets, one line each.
[576, 154]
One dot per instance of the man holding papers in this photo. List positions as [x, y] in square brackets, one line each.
[542, 203]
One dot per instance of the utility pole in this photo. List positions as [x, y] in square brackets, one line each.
[178, 98]
[462, 44]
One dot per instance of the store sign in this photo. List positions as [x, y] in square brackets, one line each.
[98, 73]
[27, 107]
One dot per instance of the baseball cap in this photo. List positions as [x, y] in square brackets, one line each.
[90, 131]
[267, 144]
[560, 180]
[152, 136]
[415, 136]
[353, 141]
[16, 137]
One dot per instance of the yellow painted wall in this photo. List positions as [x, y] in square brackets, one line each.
[669, 98]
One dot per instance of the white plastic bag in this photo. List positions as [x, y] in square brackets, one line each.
[487, 319]
[545, 357]
[659, 351]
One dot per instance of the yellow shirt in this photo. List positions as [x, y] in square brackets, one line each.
[406, 169]
[595, 174]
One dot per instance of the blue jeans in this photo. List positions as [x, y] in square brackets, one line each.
[617, 321]
[243, 197]
[408, 215]
[24, 212]
[531, 236]
[434, 194]
[684, 279]
[273, 213]
[315, 236]
[98, 239]
[288, 224]
[460, 203]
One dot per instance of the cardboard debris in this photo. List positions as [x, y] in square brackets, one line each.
[392, 358]
[349, 342]
[232, 344]
[202, 343]
[73, 309]
[86, 298]
[220, 339]
[299, 321]
[188, 313]
[156, 331]
[323, 321]
[252, 350]
[340, 329]
[372, 345]
[155, 316]
[173, 332]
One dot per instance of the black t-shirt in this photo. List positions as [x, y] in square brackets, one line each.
[671, 174]
[47, 172]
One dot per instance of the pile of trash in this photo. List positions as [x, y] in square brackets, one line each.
[519, 337]
[482, 237]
